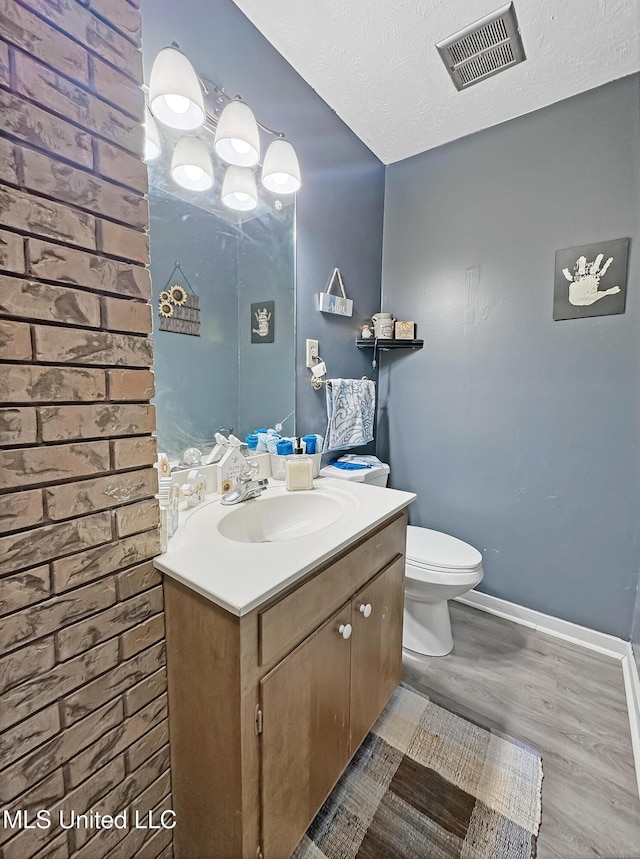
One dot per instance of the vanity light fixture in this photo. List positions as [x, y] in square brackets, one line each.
[175, 93]
[191, 164]
[281, 171]
[239, 190]
[152, 148]
[222, 129]
[237, 139]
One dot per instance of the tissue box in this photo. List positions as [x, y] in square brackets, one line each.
[277, 465]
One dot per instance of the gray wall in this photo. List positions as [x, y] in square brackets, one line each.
[339, 209]
[221, 380]
[194, 373]
[266, 377]
[520, 434]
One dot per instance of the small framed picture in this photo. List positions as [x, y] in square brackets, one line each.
[591, 280]
[263, 318]
[405, 330]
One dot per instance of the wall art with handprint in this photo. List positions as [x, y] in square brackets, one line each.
[263, 322]
[591, 280]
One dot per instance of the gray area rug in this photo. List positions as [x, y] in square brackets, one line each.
[427, 784]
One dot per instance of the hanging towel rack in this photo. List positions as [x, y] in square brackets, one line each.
[317, 383]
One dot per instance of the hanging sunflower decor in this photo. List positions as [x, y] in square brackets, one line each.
[178, 309]
[178, 294]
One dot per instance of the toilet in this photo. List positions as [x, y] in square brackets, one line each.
[438, 568]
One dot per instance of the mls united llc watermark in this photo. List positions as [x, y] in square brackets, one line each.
[45, 819]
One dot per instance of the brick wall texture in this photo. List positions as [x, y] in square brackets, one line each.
[83, 711]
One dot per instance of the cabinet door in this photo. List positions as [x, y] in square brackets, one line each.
[376, 648]
[305, 736]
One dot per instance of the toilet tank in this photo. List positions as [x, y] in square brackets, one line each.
[376, 475]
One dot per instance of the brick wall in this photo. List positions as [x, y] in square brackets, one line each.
[83, 716]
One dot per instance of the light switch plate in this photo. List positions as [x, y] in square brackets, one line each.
[312, 353]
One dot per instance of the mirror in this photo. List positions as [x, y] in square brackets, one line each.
[239, 373]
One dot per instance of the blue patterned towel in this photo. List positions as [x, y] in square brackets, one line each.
[351, 405]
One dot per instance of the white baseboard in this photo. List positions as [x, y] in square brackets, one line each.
[591, 639]
[632, 688]
[564, 629]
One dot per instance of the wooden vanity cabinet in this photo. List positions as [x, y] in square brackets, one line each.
[305, 739]
[376, 649]
[266, 710]
[319, 703]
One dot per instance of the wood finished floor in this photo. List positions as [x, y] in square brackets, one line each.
[565, 701]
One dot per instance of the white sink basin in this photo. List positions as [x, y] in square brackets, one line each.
[218, 551]
[273, 519]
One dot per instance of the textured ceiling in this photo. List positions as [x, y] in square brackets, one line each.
[374, 61]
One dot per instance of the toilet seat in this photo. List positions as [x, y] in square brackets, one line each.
[433, 551]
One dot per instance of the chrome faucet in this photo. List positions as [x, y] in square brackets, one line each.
[247, 486]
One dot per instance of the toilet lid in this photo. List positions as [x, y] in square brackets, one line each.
[440, 551]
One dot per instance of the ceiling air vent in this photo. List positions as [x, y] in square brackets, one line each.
[484, 48]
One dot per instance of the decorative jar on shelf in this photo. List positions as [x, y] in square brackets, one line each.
[383, 325]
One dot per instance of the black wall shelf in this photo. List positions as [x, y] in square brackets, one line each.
[383, 345]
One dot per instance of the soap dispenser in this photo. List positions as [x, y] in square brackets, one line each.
[298, 470]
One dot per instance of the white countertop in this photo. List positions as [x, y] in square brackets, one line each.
[240, 576]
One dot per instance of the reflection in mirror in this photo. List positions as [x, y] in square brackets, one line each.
[239, 373]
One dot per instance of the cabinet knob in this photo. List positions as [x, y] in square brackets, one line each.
[365, 609]
[345, 630]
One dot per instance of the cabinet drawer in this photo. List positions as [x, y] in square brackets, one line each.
[287, 622]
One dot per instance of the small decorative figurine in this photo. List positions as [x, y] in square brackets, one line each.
[229, 469]
[366, 332]
[174, 509]
[194, 489]
[164, 469]
[192, 456]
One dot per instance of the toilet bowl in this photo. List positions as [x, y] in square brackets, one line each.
[438, 568]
